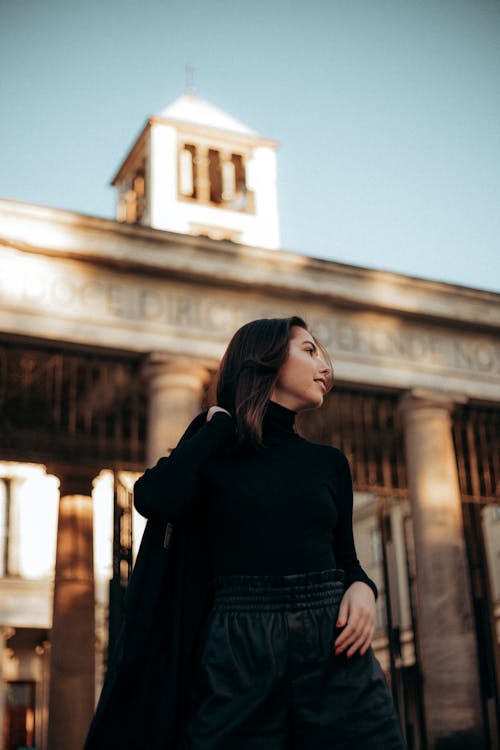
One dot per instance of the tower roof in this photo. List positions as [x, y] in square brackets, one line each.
[189, 108]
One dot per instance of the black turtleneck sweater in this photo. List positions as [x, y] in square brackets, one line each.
[286, 508]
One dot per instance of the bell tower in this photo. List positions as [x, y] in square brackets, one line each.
[197, 170]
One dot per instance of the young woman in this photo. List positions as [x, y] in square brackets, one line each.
[281, 656]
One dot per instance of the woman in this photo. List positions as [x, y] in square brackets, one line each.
[282, 655]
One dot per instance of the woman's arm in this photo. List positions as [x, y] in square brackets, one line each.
[357, 608]
[167, 489]
[343, 544]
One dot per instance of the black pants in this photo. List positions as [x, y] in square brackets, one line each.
[268, 676]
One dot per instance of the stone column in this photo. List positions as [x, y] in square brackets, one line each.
[446, 636]
[203, 174]
[72, 670]
[4, 634]
[175, 393]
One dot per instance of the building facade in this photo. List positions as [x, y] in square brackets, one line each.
[110, 336]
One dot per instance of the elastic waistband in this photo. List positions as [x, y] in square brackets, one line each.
[271, 592]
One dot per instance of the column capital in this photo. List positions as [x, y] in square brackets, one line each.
[175, 386]
[427, 398]
[176, 370]
[73, 480]
[202, 162]
[6, 632]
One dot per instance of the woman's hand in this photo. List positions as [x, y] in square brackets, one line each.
[214, 409]
[357, 613]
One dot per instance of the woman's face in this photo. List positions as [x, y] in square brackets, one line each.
[301, 380]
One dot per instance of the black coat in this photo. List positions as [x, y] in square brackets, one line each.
[150, 678]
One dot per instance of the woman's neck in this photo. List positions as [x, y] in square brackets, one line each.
[279, 421]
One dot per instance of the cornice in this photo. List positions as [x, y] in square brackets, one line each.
[130, 248]
[134, 154]
[219, 134]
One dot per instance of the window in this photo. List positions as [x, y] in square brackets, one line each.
[20, 715]
[213, 177]
[5, 507]
[228, 181]
[188, 171]
[139, 189]
[381, 612]
[239, 172]
[376, 541]
[495, 512]
[132, 199]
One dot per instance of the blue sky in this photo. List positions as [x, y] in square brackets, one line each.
[387, 112]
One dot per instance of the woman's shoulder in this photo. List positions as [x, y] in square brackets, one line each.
[220, 423]
[194, 425]
[198, 420]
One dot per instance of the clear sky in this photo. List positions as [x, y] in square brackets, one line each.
[387, 112]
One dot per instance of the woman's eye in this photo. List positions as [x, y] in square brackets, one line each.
[311, 351]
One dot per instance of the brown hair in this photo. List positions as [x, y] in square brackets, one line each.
[249, 370]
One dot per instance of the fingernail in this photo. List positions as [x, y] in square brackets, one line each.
[339, 623]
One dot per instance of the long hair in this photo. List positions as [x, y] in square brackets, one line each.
[249, 369]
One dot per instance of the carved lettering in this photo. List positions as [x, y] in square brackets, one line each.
[485, 357]
[219, 315]
[441, 352]
[186, 311]
[347, 338]
[64, 292]
[464, 355]
[92, 293]
[417, 345]
[323, 329]
[476, 355]
[150, 305]
[107, 298]
[34, 289]
[116, 300]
